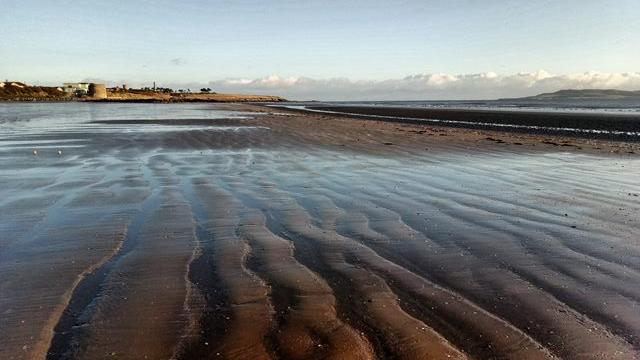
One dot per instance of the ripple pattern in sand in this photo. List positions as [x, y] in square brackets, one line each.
[264, 244]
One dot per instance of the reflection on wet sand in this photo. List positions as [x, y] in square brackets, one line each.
[308, 237]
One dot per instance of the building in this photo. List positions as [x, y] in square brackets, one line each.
[98, 91]
[76, 88]
[83, 89]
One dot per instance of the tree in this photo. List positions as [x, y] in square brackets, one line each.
[205, 90]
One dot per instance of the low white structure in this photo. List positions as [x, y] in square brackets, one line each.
[76, 88]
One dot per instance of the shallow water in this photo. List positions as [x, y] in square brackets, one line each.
[580, 106]
[241, 241]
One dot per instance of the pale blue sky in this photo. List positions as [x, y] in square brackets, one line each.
[200, 41]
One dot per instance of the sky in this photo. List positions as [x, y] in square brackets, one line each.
[331, 50]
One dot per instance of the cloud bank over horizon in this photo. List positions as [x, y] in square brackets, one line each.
[437, 86]
[428, 86]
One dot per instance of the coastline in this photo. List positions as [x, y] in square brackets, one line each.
[223, 98]
[19, 92]
[453, 137]
[611, 126]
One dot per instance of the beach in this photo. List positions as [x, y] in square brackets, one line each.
[598, 123]
[238, 231]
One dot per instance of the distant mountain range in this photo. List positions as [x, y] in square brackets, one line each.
[583, 95]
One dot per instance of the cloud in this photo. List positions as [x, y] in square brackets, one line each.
[177, 61]
[435, 86]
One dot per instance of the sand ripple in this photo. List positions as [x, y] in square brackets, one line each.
[278, 242]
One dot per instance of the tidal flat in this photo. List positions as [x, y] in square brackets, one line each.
[197, 231]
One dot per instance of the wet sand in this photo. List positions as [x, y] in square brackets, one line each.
[609, 125]
[281, 235]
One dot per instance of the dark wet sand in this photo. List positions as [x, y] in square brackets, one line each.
[294, 236]
[573, 123]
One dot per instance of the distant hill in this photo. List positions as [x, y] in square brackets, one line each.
[583, 95]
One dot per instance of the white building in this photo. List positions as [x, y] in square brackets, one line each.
[76, 88]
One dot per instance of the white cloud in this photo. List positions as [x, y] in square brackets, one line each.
[487, 85]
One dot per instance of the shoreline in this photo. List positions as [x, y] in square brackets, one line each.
[239, 99]
[452, 138]
[621, 127]
[18, 92]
